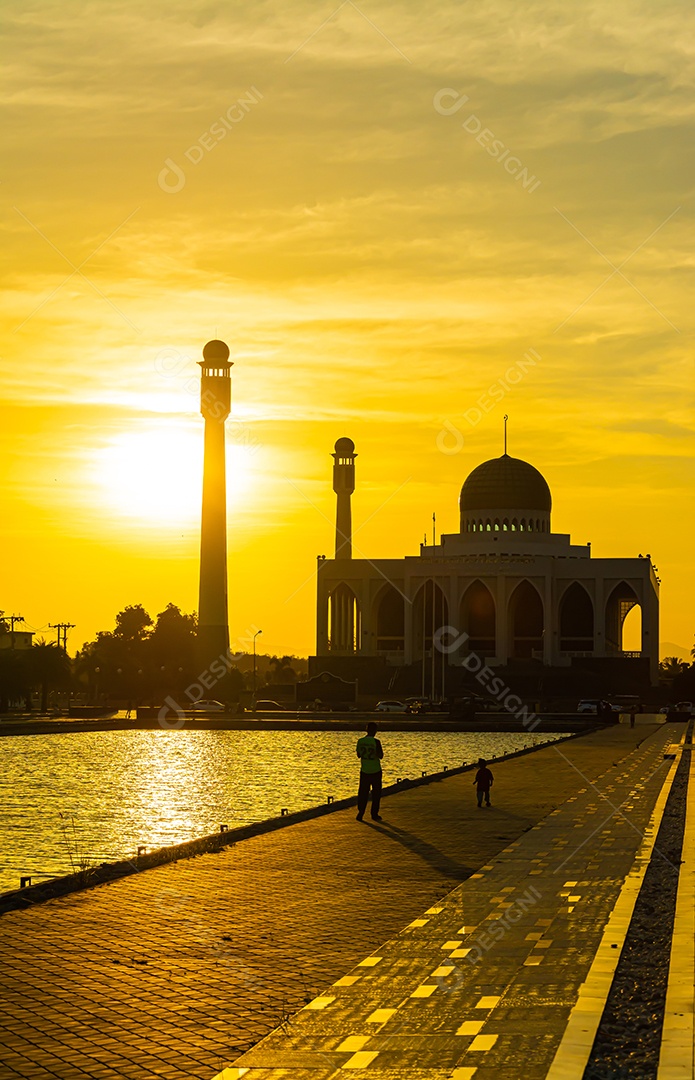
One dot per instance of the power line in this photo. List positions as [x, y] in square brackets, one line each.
[62, 628]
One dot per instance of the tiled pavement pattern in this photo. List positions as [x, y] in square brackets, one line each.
[175, 971]
[482, 984]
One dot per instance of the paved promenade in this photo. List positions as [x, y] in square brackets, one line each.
[178, 971]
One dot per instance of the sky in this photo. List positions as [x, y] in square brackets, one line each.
[404, 222]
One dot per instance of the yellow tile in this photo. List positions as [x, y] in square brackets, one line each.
[458, 953]
[483, 1042]
[371, 961]
[380, 1016]
[347, 980]
[423, 991]
[487, 1002]
[354, 1042]
[543, 944]
[573, 899]
[443, 971]
[470, 1027]
[467, 929]
[231, 1074]
[417, 922]
[464, 1073]
[451, 944]
[361, 1060]
[533, 937]
[569, 884]
[433, 911]
[532, 961]
[320, 1003]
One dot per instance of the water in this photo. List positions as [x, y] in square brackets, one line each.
[97, 795]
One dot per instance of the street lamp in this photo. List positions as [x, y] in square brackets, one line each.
[254, 665]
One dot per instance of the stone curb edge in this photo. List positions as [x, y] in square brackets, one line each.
[21, 899]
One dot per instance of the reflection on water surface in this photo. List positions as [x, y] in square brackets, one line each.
[96, 795]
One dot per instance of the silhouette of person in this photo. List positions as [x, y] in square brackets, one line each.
[633, 710]
[483, 782]
[370, 752]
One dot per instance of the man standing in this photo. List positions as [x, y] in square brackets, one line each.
[483, 782]
[370, 753]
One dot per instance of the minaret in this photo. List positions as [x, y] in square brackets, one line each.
[343, 485]
[215, 405]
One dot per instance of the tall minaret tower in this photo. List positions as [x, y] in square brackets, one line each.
[343, 485]
[215, 405]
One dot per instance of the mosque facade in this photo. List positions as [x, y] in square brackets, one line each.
[505, 590]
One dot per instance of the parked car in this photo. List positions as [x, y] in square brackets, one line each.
[269, 706]
[392, 706]
[589, 705]
[207, 706]
[685, 707]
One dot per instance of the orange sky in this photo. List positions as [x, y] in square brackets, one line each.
[294, 181]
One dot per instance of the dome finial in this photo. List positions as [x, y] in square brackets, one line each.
[506, 417]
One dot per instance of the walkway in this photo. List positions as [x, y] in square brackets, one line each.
[175, 972]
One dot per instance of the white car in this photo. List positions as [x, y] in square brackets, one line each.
[589, 705]
[207, 706]
[391, 706]
[685, 707]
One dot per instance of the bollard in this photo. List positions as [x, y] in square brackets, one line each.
[329, 799]
[142, 849]
[224, 828]
[284, 812]
[24, 882]
[398, 779]
[424, 773]
[445, 768]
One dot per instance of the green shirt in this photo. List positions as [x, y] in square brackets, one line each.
[370, 752]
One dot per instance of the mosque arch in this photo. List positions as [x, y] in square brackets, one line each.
[478, 619]
[430, 615]
[620, 603]
[344, 622]
[515, 525]
[525, 622]
[576, 620]
[390, 620]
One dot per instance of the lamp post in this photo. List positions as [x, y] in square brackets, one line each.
[254, 665]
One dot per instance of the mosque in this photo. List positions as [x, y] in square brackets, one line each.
[505, 587]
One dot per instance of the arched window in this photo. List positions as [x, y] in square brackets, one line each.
[515, 525]
[343, 620]
[619, 616]
[505, 525]
[576, 620]
[525, 621]
[488, 526]
[497, 525]
[478, 619]
[390, 620]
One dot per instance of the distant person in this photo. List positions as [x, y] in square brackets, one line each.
[370, 752]
[633, 710]
[483, 782]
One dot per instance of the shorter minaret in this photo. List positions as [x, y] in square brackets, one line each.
[343, 485]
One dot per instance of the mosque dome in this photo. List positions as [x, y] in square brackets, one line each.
[215, 350]
[505, 483]
[345, 447]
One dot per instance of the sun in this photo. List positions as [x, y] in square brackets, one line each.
[155, 476]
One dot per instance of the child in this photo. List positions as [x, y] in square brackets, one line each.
[483, 782]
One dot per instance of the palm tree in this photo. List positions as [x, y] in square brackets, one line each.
[48, 667]
[671, 666]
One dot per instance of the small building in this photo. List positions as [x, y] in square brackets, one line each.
[504, 588]
[16, 639]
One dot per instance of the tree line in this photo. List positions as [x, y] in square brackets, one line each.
[140, 661]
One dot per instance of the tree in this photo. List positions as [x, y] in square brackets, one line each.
[670, 667]
[48, 667]
[132, 623]
[281, 670]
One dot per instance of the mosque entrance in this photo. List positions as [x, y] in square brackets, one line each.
[430, 613]
[343, 620]
[526, 623]
[390, 621]
[576, 620]
[478, 619]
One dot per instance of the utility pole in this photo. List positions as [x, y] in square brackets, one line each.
[12, 619]
[62, 628]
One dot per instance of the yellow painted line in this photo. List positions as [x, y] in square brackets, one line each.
[371, 961]
[677, 1054]
[464, 1073]
[380, 1016]
[574, 1050]
[423, 991]
[457, 953]
[433, 910]
[451, 944]
[532, 961]
[470, 1027]
[487, 1002]
[320, 1003]
[443, 970]
[361, 1060]
[417, 922]
[347, 980]
[230, 1074]
[483, 1042]
[467, 929]
[354, 1042]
